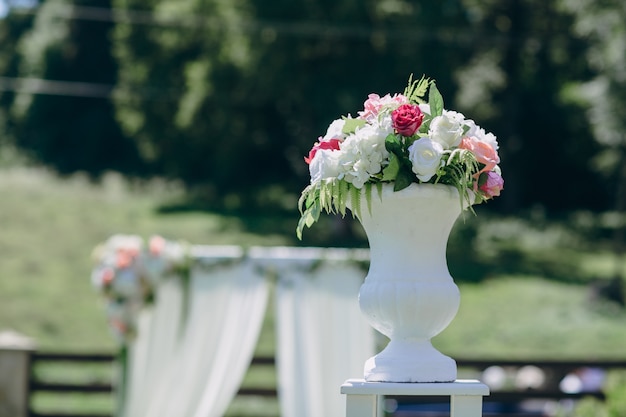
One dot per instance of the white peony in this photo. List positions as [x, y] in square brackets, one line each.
[425, 155]
[447, 129]
[479, 133]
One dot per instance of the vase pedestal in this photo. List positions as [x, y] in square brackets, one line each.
[362, 398]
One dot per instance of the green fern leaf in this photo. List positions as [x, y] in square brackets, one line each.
[343, 196]
[416, 89]
[379, 188]
[355, 201]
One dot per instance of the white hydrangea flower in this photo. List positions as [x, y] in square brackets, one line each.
[425, 155]
[447, 129]
[385, 126]
[335, 130]
[364, 153]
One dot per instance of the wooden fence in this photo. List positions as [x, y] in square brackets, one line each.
[554, 371]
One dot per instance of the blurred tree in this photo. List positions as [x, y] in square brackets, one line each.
[247, 86]
[518, 83]
[228, 95]
[181, 93]
[12, 27]
[602, 26]
[69, 126]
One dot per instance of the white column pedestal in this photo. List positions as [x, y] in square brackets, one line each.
[466, 396]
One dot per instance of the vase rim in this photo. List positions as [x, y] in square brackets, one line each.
[423, 190]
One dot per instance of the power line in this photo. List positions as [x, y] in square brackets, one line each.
[309, 29]
[40, 86]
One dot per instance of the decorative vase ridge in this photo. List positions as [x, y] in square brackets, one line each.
[408, 294]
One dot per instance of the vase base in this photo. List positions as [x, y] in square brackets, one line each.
[434, 367]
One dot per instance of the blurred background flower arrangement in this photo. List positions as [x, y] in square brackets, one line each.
[126, 275]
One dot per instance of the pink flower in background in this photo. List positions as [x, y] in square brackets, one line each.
[375, 103]
[332, 144]
[484, 152]
[156, 245]
[124, 258]
[493, 185]
[108, 275]
[407, 119]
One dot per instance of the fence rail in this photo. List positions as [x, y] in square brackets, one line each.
[552, 368]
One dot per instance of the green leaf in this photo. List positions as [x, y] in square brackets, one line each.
[390, 172]
[393, 145]
[435, 100]
[368, 197]
[379, 188]
[351, 125]
[355, 201]
[309, 216]
[344, 189]
[404, 179]
[313, 215]
[416, 89]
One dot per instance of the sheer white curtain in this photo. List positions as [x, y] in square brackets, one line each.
[159, 328]
[323, 338]
[210, 356]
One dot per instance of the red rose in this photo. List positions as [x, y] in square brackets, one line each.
[407, 119]
[329, 144]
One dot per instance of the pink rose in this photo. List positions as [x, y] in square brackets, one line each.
[484, 152]
[374, 103]
[332, 144]
[407, 119]
[492, 185]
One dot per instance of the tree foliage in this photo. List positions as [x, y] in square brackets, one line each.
[228, 95]
[69, 129]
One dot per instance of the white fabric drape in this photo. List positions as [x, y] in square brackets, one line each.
[193, 367]
[199, 374]
[158, 328]
[323, 338]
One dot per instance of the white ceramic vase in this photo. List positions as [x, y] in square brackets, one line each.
[408, 294]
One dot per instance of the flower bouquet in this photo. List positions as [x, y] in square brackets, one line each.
[126, 274]
[400, 140]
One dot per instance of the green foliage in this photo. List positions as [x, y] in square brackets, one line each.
[210, 91]
[416, 89]
[351, 125]
[516, 90]
[614, 404]
[435, 100]
[45, 291]
[399, 169]
[68, 128]
[50, 228]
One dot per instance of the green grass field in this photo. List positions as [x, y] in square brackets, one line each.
[530, 298]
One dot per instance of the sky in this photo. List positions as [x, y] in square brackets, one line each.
[4, 8]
